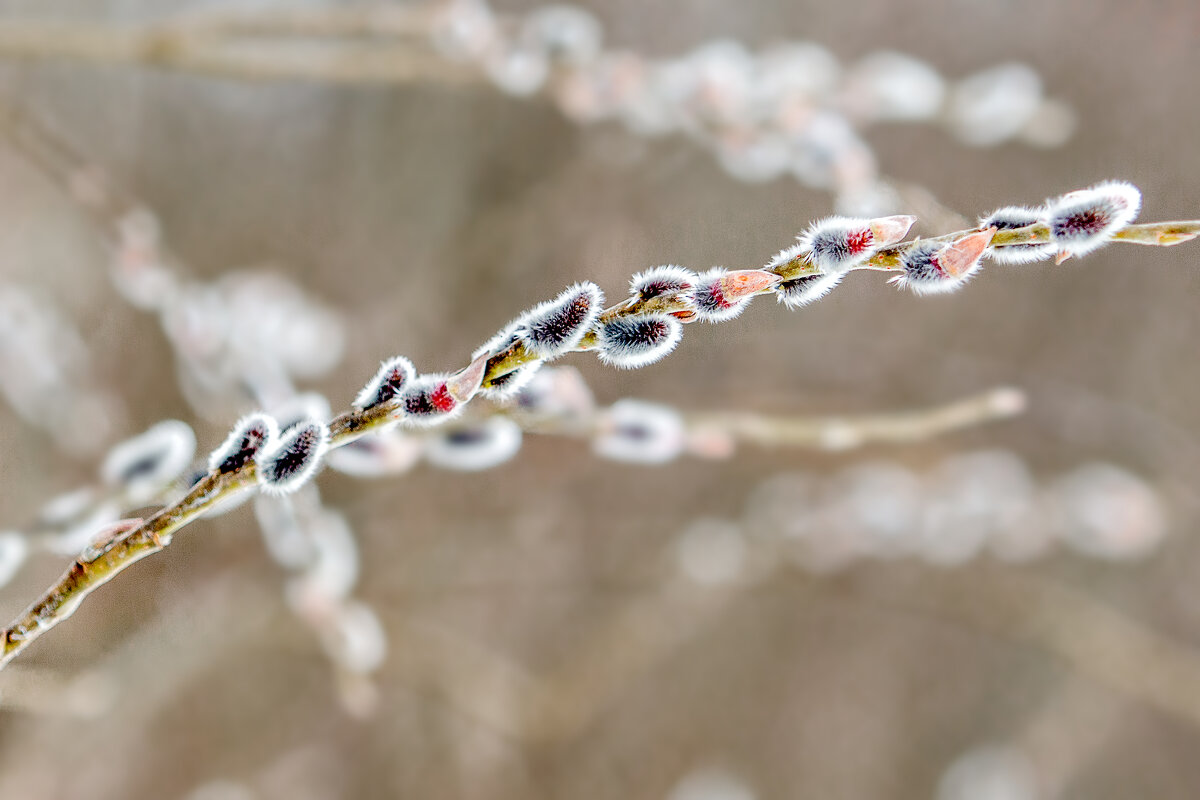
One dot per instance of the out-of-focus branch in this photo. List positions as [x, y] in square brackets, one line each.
[845, 432]
[215, 51]
[787, 110]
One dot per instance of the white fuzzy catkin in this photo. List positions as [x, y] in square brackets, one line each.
[836, 244]
[428, 401]
[633, 342]
[923, 271]
[478, 446]
[504, 388]
[1011, 218]
[787, 255]
[556, 326]
[389, 381]
[251, 435]
[799, 292]
[709, 300]
[922, 275]
[504, 338]
[294, 459]
[666, 280]
[144, 465]
[1085, 220]
[638, 432]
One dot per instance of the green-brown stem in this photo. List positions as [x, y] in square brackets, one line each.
[97, 567]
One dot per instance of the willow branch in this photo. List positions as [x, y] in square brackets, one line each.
[98, 565]
[1153, 234]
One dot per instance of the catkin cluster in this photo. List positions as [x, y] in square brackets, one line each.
[649, 324]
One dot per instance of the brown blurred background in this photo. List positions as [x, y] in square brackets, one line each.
[429, 215]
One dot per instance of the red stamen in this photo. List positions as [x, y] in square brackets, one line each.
[441, 399]
[859, 241]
